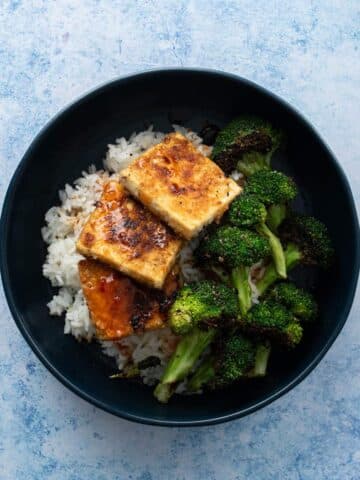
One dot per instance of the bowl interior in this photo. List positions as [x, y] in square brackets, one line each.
[77, 138]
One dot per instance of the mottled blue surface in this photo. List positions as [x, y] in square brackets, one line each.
[305, 51]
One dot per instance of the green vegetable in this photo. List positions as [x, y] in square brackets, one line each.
[235, 357]
[308, 243]
[237, 249]
[246, 211]
[261, 360]
[187, 352]
[204, 301]
[203, 375]
[249, 211]
[272, 320]
[246, 144]
[231, 246]
[271, 187]
[297, 300]
[276, 214]
[312, 238]
[292, 258]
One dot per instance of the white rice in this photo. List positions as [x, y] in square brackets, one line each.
[63, 224]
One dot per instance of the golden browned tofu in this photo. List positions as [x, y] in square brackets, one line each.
[180, 185]
[124, 234]
[118, 306]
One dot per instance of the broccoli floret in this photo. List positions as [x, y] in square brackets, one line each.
[246, 144]
[294, 334]
[237, 249]
[246, 211]
[231, 246]
[237, 357]
[275, 190]
[312, 238]
[249, 211]
[233, 357]
[203, 301]
[301, 303]
[309, 244]
[182, 361]
[272, 320]
[271, 187]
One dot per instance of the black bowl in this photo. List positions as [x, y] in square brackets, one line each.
[78, 137]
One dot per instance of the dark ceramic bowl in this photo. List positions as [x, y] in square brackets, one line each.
[78, 137]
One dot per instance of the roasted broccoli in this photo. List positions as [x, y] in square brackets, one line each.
[292, 258]
[301, 303]
[249, 211]
[246, 211]
[233, 357]
[237, 249]
[262, 355]
[231, 246]
[309, 244]
[312, 238]
[276, 214]
[271, 187]
[275, 190]
[246, 144]
[203, 301]
[273, 320]
[204, 374]
[182, 361]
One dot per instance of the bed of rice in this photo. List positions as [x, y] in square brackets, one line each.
[63, 224]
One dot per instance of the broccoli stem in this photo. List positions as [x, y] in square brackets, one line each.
[276, 214]
[261, 360]
[240, 280]
[293, 255]
[276, 250]
[203, 375]
[188, 350]
[270, 276]
[292, 258]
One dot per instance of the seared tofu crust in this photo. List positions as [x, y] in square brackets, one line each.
[119, 306]
[183, 187]
[124, 234]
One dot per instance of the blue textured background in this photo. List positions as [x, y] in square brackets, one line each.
[305, 51]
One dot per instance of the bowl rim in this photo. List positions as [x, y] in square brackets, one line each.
[5, 225]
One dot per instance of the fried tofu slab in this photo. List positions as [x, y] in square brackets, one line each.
[119, 306]
[124, 234]
[180, 185]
